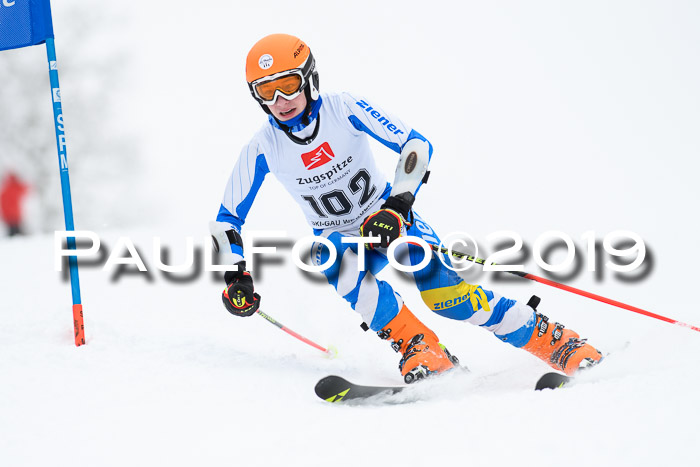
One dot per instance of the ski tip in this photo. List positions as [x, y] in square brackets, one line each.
[332, 388]
[552, 381]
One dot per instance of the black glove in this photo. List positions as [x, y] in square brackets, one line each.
[238, 296]
[388, 222]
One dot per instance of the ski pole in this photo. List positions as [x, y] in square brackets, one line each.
[330, 351]
[568, 288]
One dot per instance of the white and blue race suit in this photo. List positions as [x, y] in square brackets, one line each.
[337, 184]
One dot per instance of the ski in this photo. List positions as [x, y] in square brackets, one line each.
[552, 381]
[336, 389]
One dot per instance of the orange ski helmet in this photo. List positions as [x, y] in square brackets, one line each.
[281, 65]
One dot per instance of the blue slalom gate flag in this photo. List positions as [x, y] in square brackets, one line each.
[24, 23]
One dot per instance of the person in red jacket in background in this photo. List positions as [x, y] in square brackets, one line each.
[12, 191]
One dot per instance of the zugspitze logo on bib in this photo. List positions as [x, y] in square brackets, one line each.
[265, 61]
[318, 156]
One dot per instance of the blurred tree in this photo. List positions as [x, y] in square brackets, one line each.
[101, 149]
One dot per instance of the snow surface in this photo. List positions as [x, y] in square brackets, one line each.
[565, 116]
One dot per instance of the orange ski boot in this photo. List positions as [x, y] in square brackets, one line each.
[423, 355]
[561, 348]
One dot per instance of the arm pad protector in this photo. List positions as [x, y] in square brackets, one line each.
[412, 166]
[227, 241]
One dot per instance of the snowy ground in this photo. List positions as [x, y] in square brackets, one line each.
[168, 377]
[571, 117]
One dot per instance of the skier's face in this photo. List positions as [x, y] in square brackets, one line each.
[284, 109]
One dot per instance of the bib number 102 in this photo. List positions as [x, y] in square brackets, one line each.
[336, 202]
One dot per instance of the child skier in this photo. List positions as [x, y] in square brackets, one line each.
[316, 145]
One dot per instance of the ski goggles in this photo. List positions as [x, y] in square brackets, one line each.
[288, 84]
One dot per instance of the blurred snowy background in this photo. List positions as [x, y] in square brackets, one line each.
[96, 76]
[544, 115]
